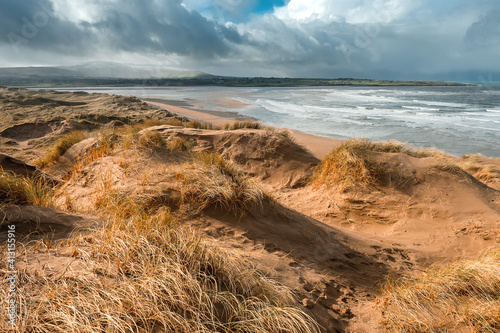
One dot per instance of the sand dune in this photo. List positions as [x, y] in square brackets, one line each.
[334, 248]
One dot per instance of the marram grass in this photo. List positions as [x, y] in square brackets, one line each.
[153, 279]
[211, 181]
[21, 190]
[59, 148]
[462, 296]
[143, 273]
[351, 165]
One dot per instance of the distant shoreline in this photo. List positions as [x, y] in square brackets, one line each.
[216, 81]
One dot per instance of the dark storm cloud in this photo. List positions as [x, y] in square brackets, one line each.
[136, 26]
[146, 26]
[33, 24]
[486, 31]
[318, 48]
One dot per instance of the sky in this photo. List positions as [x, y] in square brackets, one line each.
[378, 39]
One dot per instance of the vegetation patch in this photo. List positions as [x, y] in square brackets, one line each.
[347, 166]
[351, 165]
[143, 273]
[60, 147]
[392, 146]
[185, 122]
[151, 139]
[209, 180]
[243, 124]
[153, 279]
[20, 190]
[477, 165]
[464, 295]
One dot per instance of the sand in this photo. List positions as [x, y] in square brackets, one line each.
[230, 103]
[334, 249]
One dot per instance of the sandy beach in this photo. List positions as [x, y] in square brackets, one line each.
[235, 211]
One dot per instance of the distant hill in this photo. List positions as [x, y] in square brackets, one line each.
[106, 73]
[97, 70]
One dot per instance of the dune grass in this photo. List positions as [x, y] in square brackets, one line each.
[477, 165]
[347, 166]
[21, 190]
[184, 122]
[59, 148]
[463, 295]
[128, 136]
[153, 278]
[151, 139]
[209, 180]
[242, 124]
[351, 166]
[177, 144]
[142, 272]
[392, 146]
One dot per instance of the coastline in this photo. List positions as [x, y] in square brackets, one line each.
[318, 146]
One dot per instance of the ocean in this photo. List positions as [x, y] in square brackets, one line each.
[458, 120]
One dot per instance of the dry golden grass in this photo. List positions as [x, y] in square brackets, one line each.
[197, 124]
[105, 145]
[392, 146]
[157, 122]
[59, 148]
[151, 139]
[242, 124]
[463, 295]
[475, 165]
[212, 181]
[351, 166]
[141, 272]
[200, 124]
[20, 190]
[347, 166]
[174, 121]
[178, 144]
[154, 278]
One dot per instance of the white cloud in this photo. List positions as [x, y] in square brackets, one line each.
[354, 11]
[78, 10]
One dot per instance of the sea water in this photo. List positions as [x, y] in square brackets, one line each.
[459, 120]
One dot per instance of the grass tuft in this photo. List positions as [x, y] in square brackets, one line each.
[59, 148]
[151, 139]
[242, 124]
[350, 165]
[20, 190]
[462, 296]
[392, 146]
[347, 166]
[475, 165]
[212, 181]
[178, 144]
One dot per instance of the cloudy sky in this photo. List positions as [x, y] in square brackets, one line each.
[296, 38]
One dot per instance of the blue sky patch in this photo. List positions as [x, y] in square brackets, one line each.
[265, 6]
